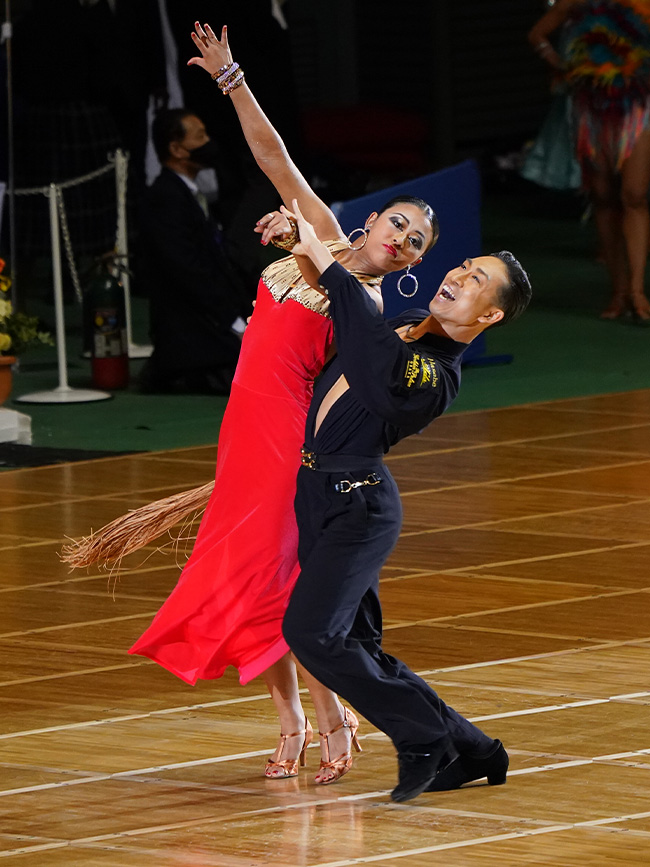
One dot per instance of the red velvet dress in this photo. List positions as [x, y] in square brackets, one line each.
[228, 605]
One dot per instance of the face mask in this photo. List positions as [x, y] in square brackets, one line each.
[207, 155]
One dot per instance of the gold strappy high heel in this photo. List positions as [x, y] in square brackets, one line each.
[289, 767]
[343, 764]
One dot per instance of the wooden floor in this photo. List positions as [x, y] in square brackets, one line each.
[520, 589]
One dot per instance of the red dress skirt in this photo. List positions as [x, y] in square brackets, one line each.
[228, 605]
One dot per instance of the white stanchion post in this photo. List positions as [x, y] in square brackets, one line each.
[57, 274]
[122, 249]
[63, 393]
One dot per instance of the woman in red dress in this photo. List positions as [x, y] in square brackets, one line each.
[228, 605]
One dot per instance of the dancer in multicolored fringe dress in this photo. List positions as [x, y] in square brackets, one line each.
[607, 69]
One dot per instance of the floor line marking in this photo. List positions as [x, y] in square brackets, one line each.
[538, 516]
[75, 579]
[430, 673]
[41, 629]
[137, 772]
[542, 558]
[605, 645]
[148, 614]
[310, 804]
[529, 477]
[545, 438]
[466, 572]
[136, 716]
[64, 674]
[525, 607]
[477, 841]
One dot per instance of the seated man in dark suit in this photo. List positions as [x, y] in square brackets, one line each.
[197, 302]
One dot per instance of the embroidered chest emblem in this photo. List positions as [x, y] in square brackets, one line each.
[420, 371]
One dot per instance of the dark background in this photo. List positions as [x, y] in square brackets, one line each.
[368, 92]
[371, 94]
[463, 67]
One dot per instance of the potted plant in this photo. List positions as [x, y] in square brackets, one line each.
[18, 332]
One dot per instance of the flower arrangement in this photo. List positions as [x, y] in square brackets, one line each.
[18, 331]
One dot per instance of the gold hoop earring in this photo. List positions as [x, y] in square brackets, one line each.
[413, 278]
[365, 238]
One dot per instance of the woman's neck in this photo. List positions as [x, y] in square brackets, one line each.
[354, 260]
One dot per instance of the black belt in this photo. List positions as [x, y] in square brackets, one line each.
[343, 464]
[338, 463]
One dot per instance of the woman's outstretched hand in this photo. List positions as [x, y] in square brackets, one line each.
[215, 53]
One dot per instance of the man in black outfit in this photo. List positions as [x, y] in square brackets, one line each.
[197, 303]
[389, 380]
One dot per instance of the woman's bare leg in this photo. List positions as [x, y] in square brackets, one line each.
[604, 194]
[635, 181]
[329, 713]
[282, 682]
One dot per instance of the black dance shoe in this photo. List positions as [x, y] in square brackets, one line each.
[417, 771]
[466, 769]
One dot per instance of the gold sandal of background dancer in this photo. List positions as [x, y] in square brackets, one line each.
[342, 765]
[289, 767]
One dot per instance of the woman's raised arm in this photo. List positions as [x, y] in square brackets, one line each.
[266, 145]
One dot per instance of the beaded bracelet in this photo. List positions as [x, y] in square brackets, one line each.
[228, 74]
[219, 72]
[234, 83]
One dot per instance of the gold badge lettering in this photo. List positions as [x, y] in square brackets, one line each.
[421, 371]
[412, 370]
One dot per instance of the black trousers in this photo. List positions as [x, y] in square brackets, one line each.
[333, 622]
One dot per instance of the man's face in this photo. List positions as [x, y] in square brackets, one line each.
[467, 295]
[195, 134]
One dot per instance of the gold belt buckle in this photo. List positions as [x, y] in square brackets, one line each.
[345, 486]
[308, 459]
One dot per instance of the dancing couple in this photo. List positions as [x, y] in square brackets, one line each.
[264, 591]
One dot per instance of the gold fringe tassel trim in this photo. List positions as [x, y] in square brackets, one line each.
[136, 529]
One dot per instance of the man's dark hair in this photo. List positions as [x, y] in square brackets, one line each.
[512, 298]
[167, 127]
[426, 209]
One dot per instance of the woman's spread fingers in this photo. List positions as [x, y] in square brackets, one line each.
[199, 44]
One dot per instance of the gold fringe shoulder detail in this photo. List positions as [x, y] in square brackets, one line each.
[284, 281]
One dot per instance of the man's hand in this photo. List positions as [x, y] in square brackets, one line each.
[308, 245]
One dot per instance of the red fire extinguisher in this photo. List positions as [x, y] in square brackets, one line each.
[107, 318]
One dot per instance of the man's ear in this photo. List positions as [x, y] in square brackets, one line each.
[176, 149]
[493, 316]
